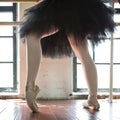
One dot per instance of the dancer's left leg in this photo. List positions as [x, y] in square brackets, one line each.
[82, 52]
[33, 61]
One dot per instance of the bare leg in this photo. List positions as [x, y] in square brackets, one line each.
[82, 52]
[33, 59]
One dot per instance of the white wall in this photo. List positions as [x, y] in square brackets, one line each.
[54, 77]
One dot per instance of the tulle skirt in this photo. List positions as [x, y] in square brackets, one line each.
[81, 18]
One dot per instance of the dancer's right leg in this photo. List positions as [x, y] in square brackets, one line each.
[34, 54]
[33, 62]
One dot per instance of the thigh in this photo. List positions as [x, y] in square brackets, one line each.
[80, 49]
[78, 43]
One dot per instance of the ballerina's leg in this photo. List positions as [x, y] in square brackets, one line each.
[34, 55]
[82, 53]
[33, 62]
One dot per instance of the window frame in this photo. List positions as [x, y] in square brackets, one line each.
[12, 9]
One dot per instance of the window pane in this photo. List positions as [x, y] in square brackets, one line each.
[90, 47]
[6, 16]
[116, 76]
[102, 52]
[117, 18]
[116, 5]
[103, 76]
[6, 75]
[6, 31]
[116, 54]
[6, 4]
[81, 80]
[6, 49]
[117, 32]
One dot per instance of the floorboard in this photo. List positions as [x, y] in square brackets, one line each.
[17, 109]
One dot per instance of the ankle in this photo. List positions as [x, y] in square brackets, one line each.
[93, 99]
[30, 84]
[92, 96]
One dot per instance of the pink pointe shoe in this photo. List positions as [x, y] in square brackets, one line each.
[31, 93]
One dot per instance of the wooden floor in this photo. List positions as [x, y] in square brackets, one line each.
[58, 110]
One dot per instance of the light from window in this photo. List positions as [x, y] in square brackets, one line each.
[116, 58]
[6, 31]
[6, 16]
[102, 52]
[6, 49]
[6, 75]
[6, 4]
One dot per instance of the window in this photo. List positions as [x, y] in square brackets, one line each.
[8, 48]
[101, 57]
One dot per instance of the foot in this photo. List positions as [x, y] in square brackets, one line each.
[31, 93]
[92, 103]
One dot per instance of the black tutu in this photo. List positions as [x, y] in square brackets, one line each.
[82, 18]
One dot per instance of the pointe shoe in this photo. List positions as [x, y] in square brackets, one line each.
[31, 93]
[90, 105]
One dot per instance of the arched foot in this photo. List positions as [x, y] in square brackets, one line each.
[31, 93]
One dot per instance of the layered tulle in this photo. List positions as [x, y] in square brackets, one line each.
[82, 18]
